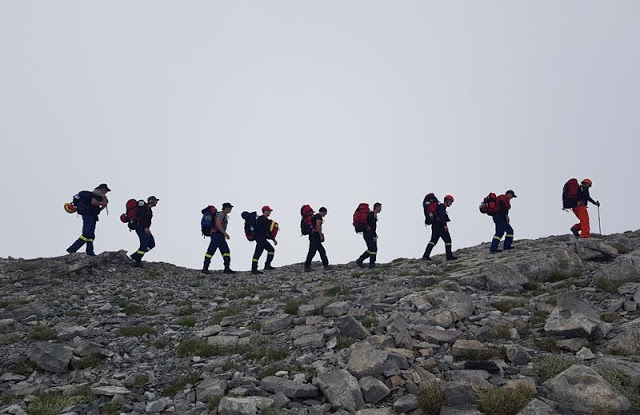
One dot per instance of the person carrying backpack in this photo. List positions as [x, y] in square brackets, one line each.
[582, 229]
[219, 237]
[89, 209]
[316, 238]
[262, 234]
[142, 228]
[440, 229]
[502, 221]
[370, 237]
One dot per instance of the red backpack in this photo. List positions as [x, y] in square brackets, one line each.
[306, 224]
[570, 194]
[430, 208]
[489, 205]
[131, 216]
[360, 217]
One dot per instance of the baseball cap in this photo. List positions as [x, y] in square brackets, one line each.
[510, 192]
[266, 207]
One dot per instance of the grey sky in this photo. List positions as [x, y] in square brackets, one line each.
[328, 103]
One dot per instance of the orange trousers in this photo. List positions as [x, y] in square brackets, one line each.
[583, 216]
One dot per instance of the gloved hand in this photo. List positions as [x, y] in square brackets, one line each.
[598, 203]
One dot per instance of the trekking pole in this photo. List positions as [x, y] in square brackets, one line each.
[599, 226]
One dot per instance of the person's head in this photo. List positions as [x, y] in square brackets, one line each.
[448, 200]
[266, 211]
[103, 188]
[152, 201]
[323, 211]
[587, 183]
[510, 194]
[377, 207]
[227, 207]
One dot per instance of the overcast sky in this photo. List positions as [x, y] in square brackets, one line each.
[330, 103]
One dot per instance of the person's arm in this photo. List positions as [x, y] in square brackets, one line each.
[101, 204]
[371, 219]
[220, 228]
[588, 197]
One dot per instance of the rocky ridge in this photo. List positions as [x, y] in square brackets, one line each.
[552, 327]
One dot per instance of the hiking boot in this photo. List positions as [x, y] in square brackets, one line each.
[228, 271]
[495, 251]
[269, 268]
[205, 271]
[327, 267]
[426, 258]
[359, 263]
[307, 269]
[507, 249]
[452, 258]
[372, 265]
[256, 272]
[90, 254]
[575, 232]
[137, 264]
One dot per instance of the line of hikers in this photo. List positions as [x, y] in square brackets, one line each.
[262, 229]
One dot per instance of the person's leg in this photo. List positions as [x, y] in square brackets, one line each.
[142, 249]
[365, 254]
[323, 254]
[372, 246]
[226, 256]
[446, 237]
[501, 223]
[314, 240]
[88, 229]
[435, 236]
[213, 246]
[271, 252]
[583, 214]
[256, 256]
[508, 239]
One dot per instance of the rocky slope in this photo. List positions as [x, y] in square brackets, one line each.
[550, 327]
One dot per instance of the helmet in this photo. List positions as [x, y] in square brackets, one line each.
[70, 208]
[448, 197]
[588, 182]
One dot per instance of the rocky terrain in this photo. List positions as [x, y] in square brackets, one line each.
[552, 327]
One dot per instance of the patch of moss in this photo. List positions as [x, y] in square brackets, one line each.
[623, 383]
[550, 366]
[291, 306]
[431, 398]
[42, 333]
[186, 321]
[135, 331]
[54, 403]
[607, 285]
[505, 401]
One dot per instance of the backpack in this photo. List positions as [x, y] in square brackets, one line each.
[489, 205]
[570, 194]
[207, 223]
[272, 232]
[82, 202]
[250, 219]
[360, 217]
[131, 216]
[430, 208]
[306, 224]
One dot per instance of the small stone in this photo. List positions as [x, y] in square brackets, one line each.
[306, 310]
[7, 325]
[211, 330]
[585, 354]
[373, 389]
[110, 390]
[237, 406]
[406, 403]
[337, 309]
[313, 341]
[352, 328]
[276, 324]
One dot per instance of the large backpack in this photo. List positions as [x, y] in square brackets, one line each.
[360, 217]
[250, 220]
[489, 205]
[82, 202]
[208, 221]
[306, 223]
[131, 217]
[570, 194]
[430, 208]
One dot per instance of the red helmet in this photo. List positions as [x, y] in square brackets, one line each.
[588, 182]
[448, 197]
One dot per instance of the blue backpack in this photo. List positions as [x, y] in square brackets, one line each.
[207, 224]
[82, 201]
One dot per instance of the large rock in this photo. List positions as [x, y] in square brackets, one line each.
[313, 341]
[51, 357]
[237, 406]
[574, 317]
[500, 277]
[276, 324]
[543, 263]
[211, 388]
[469, 349]
[581, 390]
[537, 407]
[459, 394]
[341, 389]
[365, 360]
[373, 390]
[591, 249]
[449, 307]
[337, 309]
[625, 343]
[622, 269]
[289, 388]
[406, 403]
[352, 328]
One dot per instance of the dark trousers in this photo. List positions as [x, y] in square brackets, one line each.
[437, 232]
[502, 226]
[88, 234]
[315, 245]
[147, 243]
[262, 245]
[372, 247]
[218, 242]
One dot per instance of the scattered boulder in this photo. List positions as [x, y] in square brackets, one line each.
[237, 406]
[341, 389]
[276, 324]
[373, 389]
[52, 357]
[288, 387]
[574, 317]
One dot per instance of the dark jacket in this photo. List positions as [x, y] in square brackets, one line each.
[144, 216]
[372, 224]
[583, 196]
[441, 215]
[262, 228]
[93, 209]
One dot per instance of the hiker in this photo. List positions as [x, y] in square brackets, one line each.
[316, 238]
[440, 229]
[262, 234]
[219, 237]
[144, 215]
[370, 237]
[501, 219]
[89, 209]
[582, 229]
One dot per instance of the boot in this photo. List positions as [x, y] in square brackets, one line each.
[228, 270]
[307, 269]
[575, 232]
[451, 258]
[427, 252]
[205, 266]
[137, 260]
[267, 265]
[359, 263]
[372, 265]
[90, 249]
[327, 267]
[449, 253]
[254, 269]
[75, 246]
